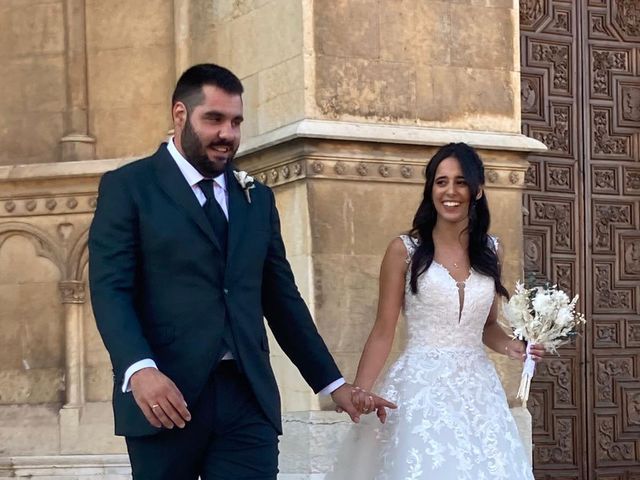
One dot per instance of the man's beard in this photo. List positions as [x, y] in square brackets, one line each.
[195, 153]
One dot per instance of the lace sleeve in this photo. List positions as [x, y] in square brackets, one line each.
[410, 244]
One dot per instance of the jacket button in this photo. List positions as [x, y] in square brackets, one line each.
[226, 291]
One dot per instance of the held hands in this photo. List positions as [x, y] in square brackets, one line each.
[159, 399]
[356, 401]
[517, 350]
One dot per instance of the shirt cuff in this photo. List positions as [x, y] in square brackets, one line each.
[332, 387]
[144, 363]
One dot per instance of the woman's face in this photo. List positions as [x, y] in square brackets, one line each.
[451, 195]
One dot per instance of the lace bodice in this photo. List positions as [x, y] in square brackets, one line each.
[433, 314]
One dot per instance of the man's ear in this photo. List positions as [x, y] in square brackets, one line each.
[179, 114]
[480, 193]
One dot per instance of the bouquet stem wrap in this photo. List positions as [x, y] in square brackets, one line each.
[528, 370]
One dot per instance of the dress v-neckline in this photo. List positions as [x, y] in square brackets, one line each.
[446, 270]
[460, 286]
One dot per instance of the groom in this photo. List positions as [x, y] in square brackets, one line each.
[185, 261]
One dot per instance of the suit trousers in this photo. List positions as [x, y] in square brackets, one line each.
[228, 437]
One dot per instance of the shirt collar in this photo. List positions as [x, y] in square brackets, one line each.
[190, 174]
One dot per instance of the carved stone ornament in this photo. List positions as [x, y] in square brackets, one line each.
[340, 168]
[51, 204]
[317, 166]
[72, 203]
[30, 205]
[406, 171]
[72, 291]
[286, 171]
[93, 202]
[10, 206]
[274, 175]
[492, 176]
[362, 169]
[384, 171]
[297, 169]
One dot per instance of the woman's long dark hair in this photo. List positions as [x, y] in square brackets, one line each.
[482, 253]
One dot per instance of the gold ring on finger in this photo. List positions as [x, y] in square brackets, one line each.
[155, 405]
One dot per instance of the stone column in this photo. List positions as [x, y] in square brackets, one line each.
[76, 143]
[73, 298]
[182, 34]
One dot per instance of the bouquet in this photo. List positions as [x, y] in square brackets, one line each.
[544, 316]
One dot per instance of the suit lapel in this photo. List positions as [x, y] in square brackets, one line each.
[176, 187]
[238, 210]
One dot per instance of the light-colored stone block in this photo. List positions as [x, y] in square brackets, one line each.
[348, 28]
[30, 137]
[417, 32]
[33, 29]
[28, 429]
[130, 78]
[128, 24]
[281, 110]
[466, 98]
[281, 79]
[344, 212]
[129, 132]
[476, 46]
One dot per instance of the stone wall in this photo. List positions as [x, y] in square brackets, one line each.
[32, 106]
[345, 101]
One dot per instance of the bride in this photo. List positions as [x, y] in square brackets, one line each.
[452, 421]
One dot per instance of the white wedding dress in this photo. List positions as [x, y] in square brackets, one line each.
[452, 421]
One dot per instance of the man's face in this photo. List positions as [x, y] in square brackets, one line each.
[209, 135]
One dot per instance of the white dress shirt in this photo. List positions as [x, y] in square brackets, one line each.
[192, 176]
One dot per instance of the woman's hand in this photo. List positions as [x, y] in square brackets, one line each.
[517, 350]
[362, 400]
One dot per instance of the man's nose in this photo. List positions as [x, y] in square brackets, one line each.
[227, 132]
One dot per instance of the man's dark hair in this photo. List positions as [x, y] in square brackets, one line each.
[189, 87]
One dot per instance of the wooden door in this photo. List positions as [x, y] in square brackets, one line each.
[581, 97]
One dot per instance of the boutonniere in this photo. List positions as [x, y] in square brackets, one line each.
[246, 182]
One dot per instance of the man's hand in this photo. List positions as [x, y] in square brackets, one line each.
[356, 401]
[159, 399]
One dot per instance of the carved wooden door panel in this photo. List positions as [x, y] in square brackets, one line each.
[581, 97]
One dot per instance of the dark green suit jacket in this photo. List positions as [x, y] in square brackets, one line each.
[160, 287]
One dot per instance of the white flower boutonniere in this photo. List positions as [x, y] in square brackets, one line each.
[246, 182]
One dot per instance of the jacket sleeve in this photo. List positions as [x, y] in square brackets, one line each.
[288, 315]
[113, 264]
